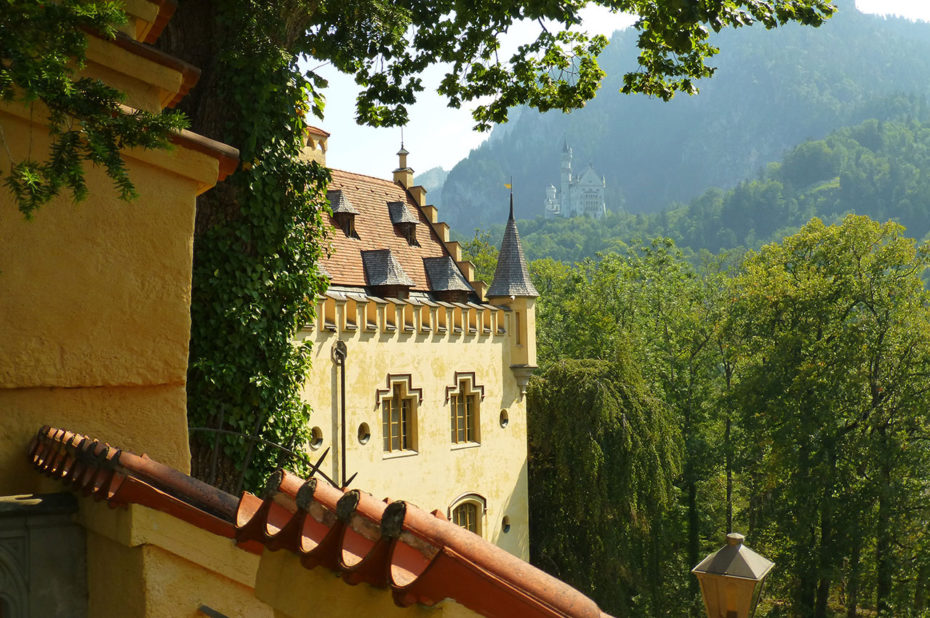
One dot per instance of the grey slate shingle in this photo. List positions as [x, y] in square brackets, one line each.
[382, 268]
[400, 214]
[511, 277]
[340, 203]
[444, 275]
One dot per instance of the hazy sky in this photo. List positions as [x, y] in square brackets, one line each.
[439, 136]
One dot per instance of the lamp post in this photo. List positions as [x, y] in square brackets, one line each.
[731, 579]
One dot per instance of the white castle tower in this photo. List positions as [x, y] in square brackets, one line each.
[581, 195]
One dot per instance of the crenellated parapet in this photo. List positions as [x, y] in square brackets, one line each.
[349, 312]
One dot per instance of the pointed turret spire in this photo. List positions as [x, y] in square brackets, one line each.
[512, 277]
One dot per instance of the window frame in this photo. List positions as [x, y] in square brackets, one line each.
[395, 421]
[464, 400]
[398, 405]
[465, 502]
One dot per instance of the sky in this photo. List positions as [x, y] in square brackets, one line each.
[438, 136]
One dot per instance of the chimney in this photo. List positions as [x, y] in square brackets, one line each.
[403, 175]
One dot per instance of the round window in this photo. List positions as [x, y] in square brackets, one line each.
[364, 433]
[316, 438]
[505, 418]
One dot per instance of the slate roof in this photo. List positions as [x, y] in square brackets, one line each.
[382, 268]
[444, 274]
[340, 203]
[421, 557]
[511, 277]
[400, 214]
[370, 197]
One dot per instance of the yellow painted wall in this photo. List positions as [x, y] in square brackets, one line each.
[144, 563]
[439, 471]
[296, 592]
[95, 296]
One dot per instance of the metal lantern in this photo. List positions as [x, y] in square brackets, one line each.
[731, 579]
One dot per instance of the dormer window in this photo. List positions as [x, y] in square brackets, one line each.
[446, 280]
[343, 212]
[404, 223]
[384, 275]
[346, 223]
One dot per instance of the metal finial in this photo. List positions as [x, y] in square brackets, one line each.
[510, 186]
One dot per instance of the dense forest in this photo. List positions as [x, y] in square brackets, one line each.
[877, 168]
[784, 395]
[763, 365]
[707, 381]
[772, 91]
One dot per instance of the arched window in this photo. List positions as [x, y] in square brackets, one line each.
[468, 511]
[467, 516]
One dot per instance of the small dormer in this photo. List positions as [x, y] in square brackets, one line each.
[446, 281]
[343, 212]
[405, 224]
[384, 274]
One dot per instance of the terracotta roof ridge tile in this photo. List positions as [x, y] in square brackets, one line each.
[424, 558]
[120, 477]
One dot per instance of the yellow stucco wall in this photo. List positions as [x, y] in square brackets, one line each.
[296, 592]
[438, 472]
[144, 563]
[95, 296]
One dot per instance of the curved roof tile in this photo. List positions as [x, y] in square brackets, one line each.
[422, 557]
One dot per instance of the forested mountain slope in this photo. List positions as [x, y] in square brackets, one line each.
[876, 168]
[772, 90]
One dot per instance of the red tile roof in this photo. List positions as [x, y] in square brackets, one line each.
[423, 557]
[104, 472]
[370, 197]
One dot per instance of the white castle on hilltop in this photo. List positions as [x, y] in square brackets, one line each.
[581, 195]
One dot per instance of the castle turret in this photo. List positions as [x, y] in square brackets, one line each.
[315, 145]
[513, 288]
[565, 194]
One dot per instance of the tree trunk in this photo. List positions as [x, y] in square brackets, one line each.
[826, 554]
[920, 588]
[728, 461]
[694, 542]
[883, 538]
[852, 581]
[883, 542]
[806, 543]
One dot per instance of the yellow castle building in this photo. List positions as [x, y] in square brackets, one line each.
[419, 370]
[98, 516]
